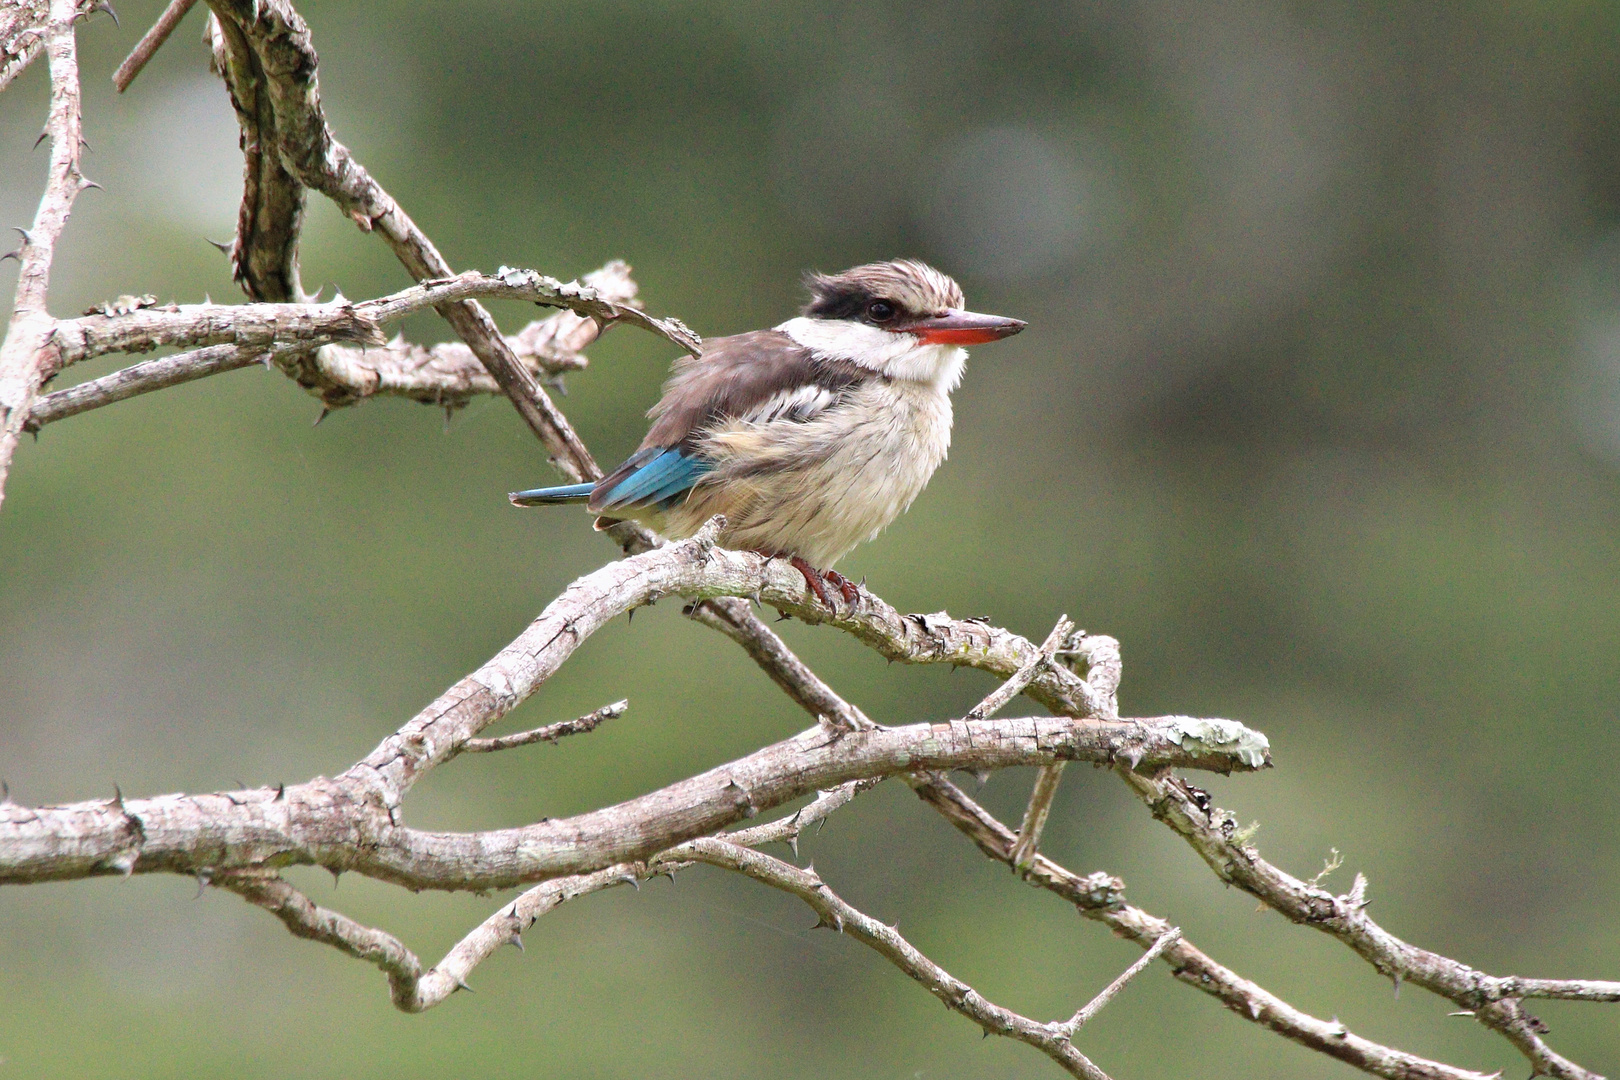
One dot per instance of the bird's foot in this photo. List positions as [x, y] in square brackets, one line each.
[814, 579]
[850, 590]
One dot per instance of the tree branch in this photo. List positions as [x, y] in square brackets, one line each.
[271, 63]
[550, 733]
[23, 28]
[1084, 1015]
[447, 375]
[836, 914]
[27, 357]
[150, 43]
[414, 990]
[342, 824]
[264, 325]
[137, 379]
[1213, 834]
[1097, 896]
[264, 252]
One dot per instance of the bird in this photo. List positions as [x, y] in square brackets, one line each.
[810, 437]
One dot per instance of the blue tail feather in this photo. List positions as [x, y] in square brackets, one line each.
[548, 496]
[653, 477]
[663, 477]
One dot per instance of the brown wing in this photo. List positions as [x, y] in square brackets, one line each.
[738, 376]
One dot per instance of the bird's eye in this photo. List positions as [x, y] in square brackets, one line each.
[880, 311]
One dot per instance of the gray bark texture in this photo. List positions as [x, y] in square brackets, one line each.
[241, 840]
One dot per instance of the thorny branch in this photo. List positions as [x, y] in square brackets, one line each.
[299, 339]
[27, 356]
[836, 914]
[141, 328]
[263, 50]
[550, 733]
[240, 840]
[416, 990]
[1098, 896]
[1495, 1002]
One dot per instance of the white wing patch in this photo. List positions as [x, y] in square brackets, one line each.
[798, 405]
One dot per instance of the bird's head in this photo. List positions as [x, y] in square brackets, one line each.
[901, 318]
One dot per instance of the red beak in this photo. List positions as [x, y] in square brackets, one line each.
[956, 327]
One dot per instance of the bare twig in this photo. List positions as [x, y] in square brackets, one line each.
[270, 64]
[1015, 684]
[732, 617]
[1213, 834]
[150, 43]
[142, 378]
[305, 919]
[550, 733]
[447, 375]
[835, 913]
[264, 325]
[1041, 797]
[27, 358]
[283, 335]
[786, 830]
[1098, 895]
[1101, 654]
[1096, 1005]
[415, 990]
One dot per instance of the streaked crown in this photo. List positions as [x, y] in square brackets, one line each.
[883, 293]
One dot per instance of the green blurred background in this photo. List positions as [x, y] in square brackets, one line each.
[1318, 412]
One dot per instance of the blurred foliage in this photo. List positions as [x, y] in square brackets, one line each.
[1318, 411]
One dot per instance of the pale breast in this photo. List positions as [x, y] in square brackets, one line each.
[818, 489]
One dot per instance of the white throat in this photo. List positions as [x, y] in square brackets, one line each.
[897, 356]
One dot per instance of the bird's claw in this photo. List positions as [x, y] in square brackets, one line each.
[813, 578]
[851, 591]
